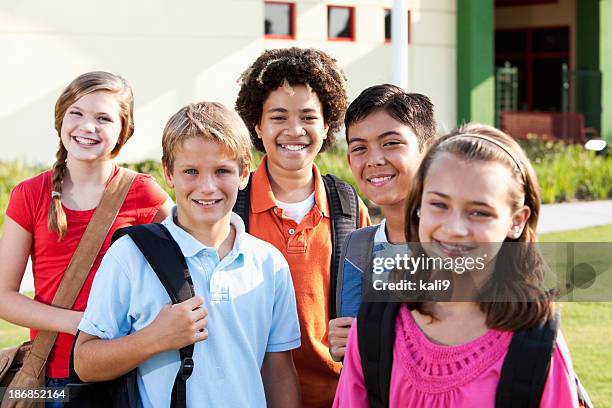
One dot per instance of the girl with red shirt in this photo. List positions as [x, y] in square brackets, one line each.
[48, 213]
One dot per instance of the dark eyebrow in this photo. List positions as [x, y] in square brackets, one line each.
[388, 133]
[281, 110]
[482, 203]
[381, 136]
[355, 140]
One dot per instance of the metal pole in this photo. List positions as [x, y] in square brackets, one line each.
[399, 42]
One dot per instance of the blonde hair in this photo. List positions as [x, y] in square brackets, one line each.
[79, 87]
[211, 121]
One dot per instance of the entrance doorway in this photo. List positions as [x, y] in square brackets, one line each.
[539, 55]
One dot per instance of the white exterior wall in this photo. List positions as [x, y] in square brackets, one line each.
[173, 53]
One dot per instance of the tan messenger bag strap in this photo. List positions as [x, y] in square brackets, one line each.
[80, 264]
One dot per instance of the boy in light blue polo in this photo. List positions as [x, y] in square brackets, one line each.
[243, 320]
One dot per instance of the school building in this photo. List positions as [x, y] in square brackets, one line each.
[475, 58]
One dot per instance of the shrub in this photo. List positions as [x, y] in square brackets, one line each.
[11, 173]
[565, 172]
[569, 172]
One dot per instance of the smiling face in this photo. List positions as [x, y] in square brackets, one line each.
[91, 127]
[467, 203]
[205, 178]
[292, 128]
[384, 156]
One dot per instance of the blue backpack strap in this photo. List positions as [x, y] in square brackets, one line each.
[165, 257]
[356, 264]
[376, 337]
[526, 365]
[344, 214]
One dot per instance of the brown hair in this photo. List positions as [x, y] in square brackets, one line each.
[522, 278]
[210, 121]
[79, 87]
[295, 66]
[412, 109]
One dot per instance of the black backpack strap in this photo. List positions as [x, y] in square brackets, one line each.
[344, 214]
[165, 257]
[526, 365]
[376, 337]
[357, 250]
[243, 203]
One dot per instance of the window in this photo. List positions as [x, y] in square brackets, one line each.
[341, 23]
[539, 54]
[388, 26]
[279, 20]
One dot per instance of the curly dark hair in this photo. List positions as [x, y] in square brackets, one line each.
[298, 66]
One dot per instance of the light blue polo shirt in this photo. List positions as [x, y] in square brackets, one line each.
[251, 310]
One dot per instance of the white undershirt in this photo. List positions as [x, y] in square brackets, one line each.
[297, 211]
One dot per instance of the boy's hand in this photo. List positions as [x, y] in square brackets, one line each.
[338, 336]
[179, 325]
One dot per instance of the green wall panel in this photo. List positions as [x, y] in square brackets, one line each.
[475, 61]
[588, 79]
[605, 64]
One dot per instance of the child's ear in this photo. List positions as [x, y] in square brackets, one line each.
[168, 176]
[519, 219]
[326, 130]
[244, 176]
[258, 130]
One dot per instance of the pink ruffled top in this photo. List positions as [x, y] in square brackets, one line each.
[426, 374]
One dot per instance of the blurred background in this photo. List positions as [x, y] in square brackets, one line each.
[529, 66]
[539, 69]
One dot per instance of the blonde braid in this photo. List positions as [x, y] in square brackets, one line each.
[56, 219]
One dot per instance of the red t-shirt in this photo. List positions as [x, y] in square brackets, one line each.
[29, 206]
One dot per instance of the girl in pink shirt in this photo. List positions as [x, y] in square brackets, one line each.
[475, 188]
[47, 214]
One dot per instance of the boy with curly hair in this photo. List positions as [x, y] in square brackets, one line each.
[293, 102]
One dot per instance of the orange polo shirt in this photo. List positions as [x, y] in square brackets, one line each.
[308, 248]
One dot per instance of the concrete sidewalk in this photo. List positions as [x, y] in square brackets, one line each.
[570, 216]
[553, 217]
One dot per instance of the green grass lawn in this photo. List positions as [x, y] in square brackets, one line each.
[594, 234]
[587, 327]
[11, 335]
